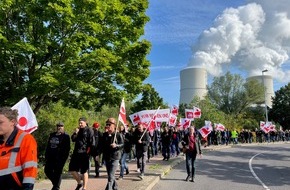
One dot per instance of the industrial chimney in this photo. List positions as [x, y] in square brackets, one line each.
[267, 82]
[193, 83]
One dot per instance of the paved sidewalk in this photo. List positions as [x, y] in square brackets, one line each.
[154, 170]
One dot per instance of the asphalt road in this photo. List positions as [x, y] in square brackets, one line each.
[255, 167]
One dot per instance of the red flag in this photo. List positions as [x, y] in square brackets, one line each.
[185, 122]
[205, 130]
[172, 120]
[262, 123]
[267, 127]
[135, 119]
[219, 127]
[174, 110]
[189, 114]
[196, 112]
[122, 114]
[26, 118]
[158, 125]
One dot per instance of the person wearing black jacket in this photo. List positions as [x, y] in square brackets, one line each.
[111, 146]
[192, 145]
[166, 139]
[56, 154]
[126, 151]
[80, 159]
[98, 136]
[141, 140]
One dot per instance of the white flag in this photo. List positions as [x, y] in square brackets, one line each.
[26, 118]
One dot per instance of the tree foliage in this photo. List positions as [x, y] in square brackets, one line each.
[87, 53]
[150, 100]
[232, 95]
[281, 107]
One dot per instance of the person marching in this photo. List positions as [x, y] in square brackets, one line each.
[126, 151]
[56, 154]
[18, 154]
[98, 136]
[111, 146]
[80, 159]
[192, 144]
[141, 140]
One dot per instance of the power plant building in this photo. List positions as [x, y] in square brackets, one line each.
[193, 82]
[267, 82]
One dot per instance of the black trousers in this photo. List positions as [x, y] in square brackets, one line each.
[53, 171]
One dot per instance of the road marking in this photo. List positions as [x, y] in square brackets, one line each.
[254, 174]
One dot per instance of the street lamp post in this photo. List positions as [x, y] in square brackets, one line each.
[266, 111]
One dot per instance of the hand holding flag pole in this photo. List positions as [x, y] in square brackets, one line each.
[152, 119]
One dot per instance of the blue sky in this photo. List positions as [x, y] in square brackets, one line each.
[174, 28]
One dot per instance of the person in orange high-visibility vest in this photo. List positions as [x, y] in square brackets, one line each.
[18, 154]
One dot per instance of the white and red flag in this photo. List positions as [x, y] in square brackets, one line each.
[205, 130]
[135, 118]
[196, 112]
[172, 120]
[185, 123]
[189, 113]
[150, 126]
[158, 125]
[26, 118]
[145, 116]
[122, 115]
[262, 124]
[267, 126]
[219, 127]
[174, 110]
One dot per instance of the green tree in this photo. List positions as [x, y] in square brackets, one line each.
[281, 107]
[150, 99]
[87, 53]
[232, 95]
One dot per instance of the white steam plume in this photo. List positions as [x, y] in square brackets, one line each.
[253, 37]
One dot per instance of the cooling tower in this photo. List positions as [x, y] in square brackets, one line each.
[193, 83]
[267, 81]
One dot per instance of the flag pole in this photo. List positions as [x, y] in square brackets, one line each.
[117, 126]
[152, 118]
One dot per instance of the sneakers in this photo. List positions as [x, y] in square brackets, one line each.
[79, 186]
[187, 178]
[127, 171]
[120, 178]
[138, 170]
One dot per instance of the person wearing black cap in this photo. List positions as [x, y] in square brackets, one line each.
[56, 154]
[80, 159]
[111, 146]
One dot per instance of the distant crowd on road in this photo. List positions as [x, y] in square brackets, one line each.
[245, 136]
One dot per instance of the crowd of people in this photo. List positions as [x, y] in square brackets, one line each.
[113, 148]
[245, 136]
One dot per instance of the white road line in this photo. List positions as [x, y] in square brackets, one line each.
[254, 174]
